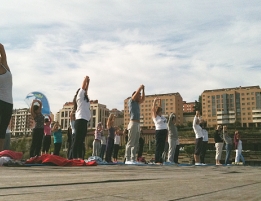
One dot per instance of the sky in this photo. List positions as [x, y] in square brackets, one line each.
[168, 46]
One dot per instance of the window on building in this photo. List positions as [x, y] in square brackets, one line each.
[242, 94]
[94, 112]
[62, 114]
[93, 122]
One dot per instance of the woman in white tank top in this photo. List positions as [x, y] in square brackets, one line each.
[6, 98]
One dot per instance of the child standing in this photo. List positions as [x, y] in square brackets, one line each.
[117, 140]
[103, 146]
[58, 138]
[38, 130]
[238, 146]
[47, 135]
[97, 140]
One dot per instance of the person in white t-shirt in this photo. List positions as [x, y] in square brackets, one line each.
[204, 142]
[199, 138]
[161, 129]
[82, 117]
[239, 147]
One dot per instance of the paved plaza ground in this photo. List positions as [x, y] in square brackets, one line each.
[127, 182]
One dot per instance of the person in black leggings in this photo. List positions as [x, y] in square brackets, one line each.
[82, 116]
[6, 97]
[38, 130]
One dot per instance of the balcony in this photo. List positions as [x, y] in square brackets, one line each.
[256, 111]
[256, 115]
[226, 121]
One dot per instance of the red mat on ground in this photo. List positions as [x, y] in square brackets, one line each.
[57, 160]
[12, 154]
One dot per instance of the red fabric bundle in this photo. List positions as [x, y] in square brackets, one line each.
[57, 160]
[12, 154]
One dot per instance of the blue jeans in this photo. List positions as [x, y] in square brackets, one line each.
[228, 152]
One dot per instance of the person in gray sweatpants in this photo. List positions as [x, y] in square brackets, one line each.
[134, 125]
[172, 137]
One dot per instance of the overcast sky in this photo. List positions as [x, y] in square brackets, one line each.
[169, 46]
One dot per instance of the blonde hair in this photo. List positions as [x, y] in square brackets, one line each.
[109, 121]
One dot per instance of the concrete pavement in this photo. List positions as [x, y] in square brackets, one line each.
[122, 182]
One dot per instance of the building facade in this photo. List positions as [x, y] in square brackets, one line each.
[188, 107]
[99, 113]
[20, 122]
[240, 105]
[171, 102]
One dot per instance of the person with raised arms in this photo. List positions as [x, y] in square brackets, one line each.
[38, 130]
[161, 127]
[82, 117]
[6, 97]
[199, 138]
[134, 125]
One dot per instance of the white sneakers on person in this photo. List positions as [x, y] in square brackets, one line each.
[198, 164]
[132, 162]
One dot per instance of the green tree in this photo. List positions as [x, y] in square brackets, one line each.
[198, 105]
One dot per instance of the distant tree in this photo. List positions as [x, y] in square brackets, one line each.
[198, 105]
[189, 124]
[237, 124]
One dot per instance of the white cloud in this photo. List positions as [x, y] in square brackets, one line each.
[169, 46]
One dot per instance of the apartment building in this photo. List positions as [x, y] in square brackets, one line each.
[20, 122]
[230, 105]
[171, 102]
[63, 116]
[99, 113]
[188, 107]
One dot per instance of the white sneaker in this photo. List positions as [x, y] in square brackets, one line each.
[132, 162]
[198, 164]
[203, 164]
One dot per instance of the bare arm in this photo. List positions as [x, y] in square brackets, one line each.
[3, 57]
[170, 119]
[134, 97]
[153, 109]
[143, 95]
[85, 83]
[31, 109]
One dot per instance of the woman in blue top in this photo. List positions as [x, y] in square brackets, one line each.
[82, 117]
[58, 138]
[6, 98]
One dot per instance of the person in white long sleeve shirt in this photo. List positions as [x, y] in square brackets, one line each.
[199, 138]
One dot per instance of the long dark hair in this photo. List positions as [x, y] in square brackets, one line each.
[74, 99]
